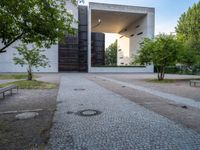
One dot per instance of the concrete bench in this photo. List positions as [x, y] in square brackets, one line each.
[195, 83]
[8, 88]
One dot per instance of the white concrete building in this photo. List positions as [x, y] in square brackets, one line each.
[131, 23]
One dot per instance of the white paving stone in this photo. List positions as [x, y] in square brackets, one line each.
[26, 115]
[122, 125]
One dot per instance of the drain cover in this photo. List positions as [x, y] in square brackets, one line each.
[88, 112]
[70, 112]
[79, 89]
[185, 107]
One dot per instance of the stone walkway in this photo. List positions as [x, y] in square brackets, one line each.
[172, 97]
[121, 125]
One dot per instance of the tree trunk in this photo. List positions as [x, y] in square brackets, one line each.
[30, 75]
[161, 72]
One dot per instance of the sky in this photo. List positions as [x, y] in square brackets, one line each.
[167, 12]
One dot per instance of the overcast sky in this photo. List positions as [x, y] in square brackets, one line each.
[167, 12]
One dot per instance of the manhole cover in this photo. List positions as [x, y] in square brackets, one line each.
[79, 89]
[185, 107]
[88, 113]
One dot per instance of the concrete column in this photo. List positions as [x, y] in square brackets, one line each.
[150, 24]
[89, 39]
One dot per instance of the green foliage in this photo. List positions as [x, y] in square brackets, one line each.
[43, 22]
[189, 24]
[111, 54]
[181, 69]
[188, 31]
[144, 57]
[162, 51]
[25, 84]
[187, 55]
[30, 57]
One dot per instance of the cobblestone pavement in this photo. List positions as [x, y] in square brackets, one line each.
[172, 97]
[122, 124]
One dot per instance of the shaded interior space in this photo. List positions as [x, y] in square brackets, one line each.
[129, 28]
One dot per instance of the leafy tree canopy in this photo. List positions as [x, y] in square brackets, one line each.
[188, 28]
[42, 22]
[188, 32]
[111, 54]
[189, 23]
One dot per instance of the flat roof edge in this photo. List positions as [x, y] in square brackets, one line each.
[93, 4]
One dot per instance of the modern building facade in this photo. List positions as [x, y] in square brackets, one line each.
[85, 51]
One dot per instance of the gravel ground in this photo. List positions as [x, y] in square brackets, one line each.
[121, 125]
[50, 77]
[171, 97]
[32, 133]
[6, 81]
[180, 88]
[28, 100]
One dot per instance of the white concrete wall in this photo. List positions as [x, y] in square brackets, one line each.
[147, 69]
[137, 39]
[7, 64]
[132, 44]
[123, 46]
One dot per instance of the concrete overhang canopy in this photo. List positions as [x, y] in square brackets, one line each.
[111, 18]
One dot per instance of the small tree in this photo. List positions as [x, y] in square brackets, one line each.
[30, 57]
[111, 54]
[162, 51]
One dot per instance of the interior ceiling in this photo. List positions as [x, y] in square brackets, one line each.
[112, 22]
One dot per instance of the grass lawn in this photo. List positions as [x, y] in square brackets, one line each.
[14, 76]
[169, 80]
[34, 84]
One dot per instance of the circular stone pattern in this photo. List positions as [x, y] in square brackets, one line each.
[26, 115]
[88, 113]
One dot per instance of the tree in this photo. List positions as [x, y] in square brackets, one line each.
[111, 54]
[33, 58]
[187, 56]
[43, 22]
[162, 51]
[188, 28]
